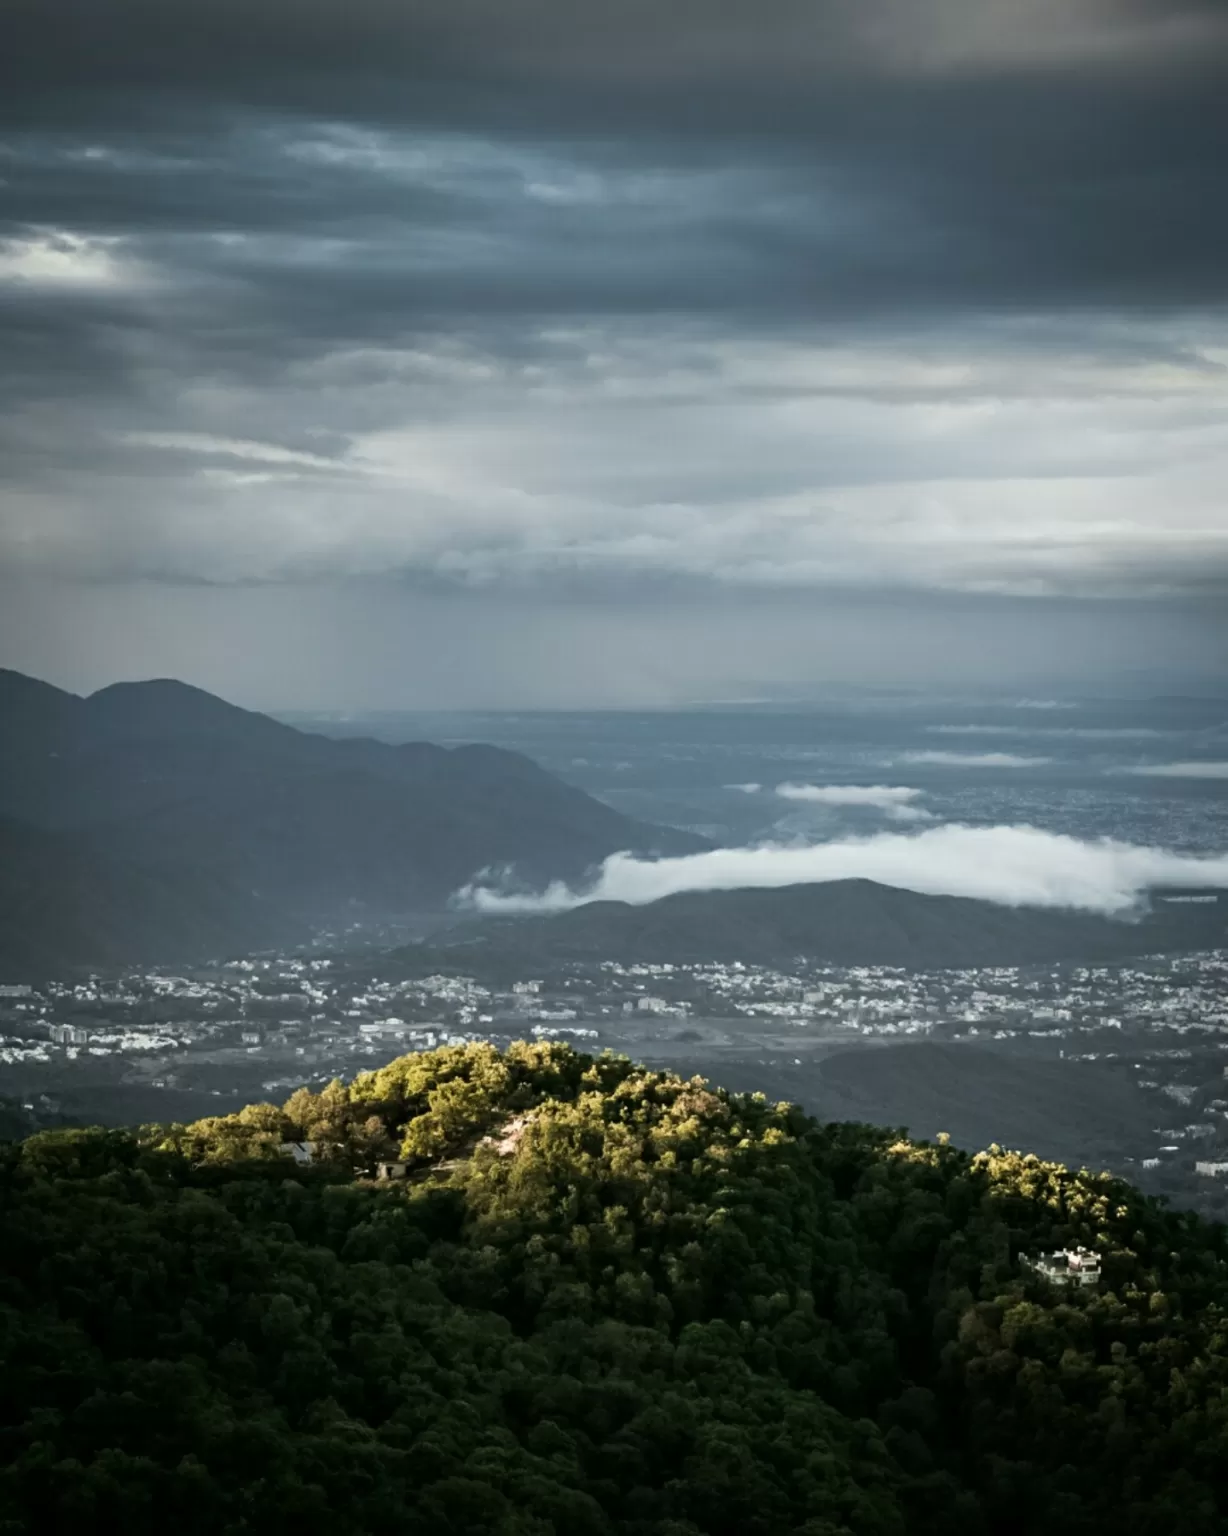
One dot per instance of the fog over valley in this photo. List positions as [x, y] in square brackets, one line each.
[1018, 866]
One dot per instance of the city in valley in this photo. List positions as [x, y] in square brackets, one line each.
[1121, 1066]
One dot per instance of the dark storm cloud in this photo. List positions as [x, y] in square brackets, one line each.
[860, 155]
[593, 63]
[845, 293]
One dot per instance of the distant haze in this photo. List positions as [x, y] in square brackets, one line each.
[1181, 770]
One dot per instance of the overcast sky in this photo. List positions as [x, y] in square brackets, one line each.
[414, 352]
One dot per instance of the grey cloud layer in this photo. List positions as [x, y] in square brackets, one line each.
[870, 294]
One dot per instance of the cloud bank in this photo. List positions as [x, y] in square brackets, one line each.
[1015, 866]
[976, 759]
[894, 800]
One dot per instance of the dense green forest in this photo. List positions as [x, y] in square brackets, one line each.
[603, 1300]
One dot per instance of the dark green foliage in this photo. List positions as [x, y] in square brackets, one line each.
[604, 1300]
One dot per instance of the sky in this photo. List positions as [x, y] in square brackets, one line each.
[378, 355]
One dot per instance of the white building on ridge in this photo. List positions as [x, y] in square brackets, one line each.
[1078, 1268]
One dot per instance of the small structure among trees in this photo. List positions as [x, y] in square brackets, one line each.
[507, 1137]
[1078, 1268]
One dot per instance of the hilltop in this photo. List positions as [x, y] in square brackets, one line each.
[593, 1298]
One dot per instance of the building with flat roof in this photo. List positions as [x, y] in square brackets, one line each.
[1077, 1268]
[392, 1170]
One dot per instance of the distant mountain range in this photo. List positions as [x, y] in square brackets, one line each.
[153, 821]
[841, 922]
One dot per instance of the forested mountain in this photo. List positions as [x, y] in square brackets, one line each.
[842, 922]
[600, 1300]
[159, 785]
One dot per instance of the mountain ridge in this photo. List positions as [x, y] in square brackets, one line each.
[162, 779]
[843, 922]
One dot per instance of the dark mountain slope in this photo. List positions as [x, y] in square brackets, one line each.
[168, 779]
[26, 704]
[845, 922]
[60, 905]
[163, 706]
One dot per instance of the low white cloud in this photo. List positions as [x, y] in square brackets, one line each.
[1014, 866]
[746, 789]
[894, 800]
[1180, 770]
[231, 448]
[1073, 732]
[976, 759]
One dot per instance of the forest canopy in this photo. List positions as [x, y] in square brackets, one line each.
[533, 1293]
